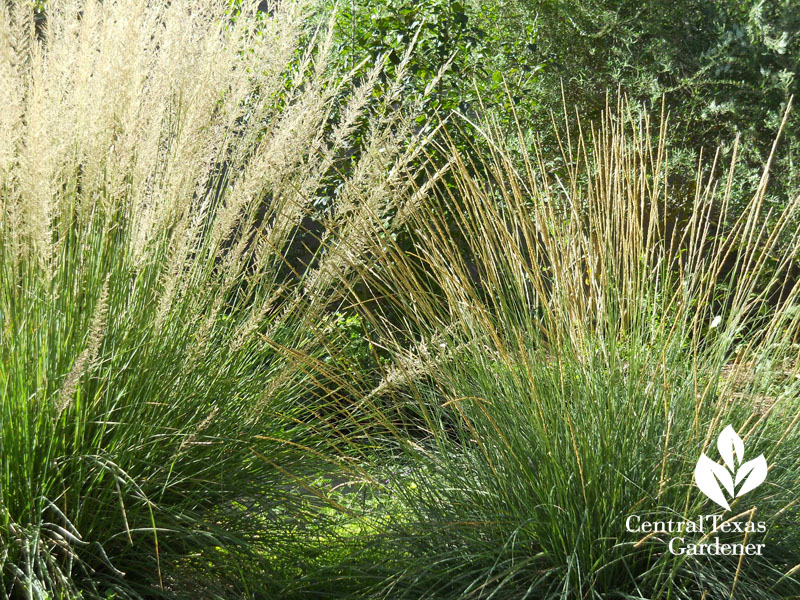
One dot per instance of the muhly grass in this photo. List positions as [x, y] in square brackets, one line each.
[573, 351]
[158, 161]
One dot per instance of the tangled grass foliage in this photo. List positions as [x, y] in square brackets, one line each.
[574, 350]
[159, 161]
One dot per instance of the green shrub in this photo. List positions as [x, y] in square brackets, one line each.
[723, 69]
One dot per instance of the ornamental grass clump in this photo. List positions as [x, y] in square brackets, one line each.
[569, 350]
[160, 165]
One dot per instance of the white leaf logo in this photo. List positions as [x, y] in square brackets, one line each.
[708, 475]
[730, 446]
[753, 473]
[712, 478]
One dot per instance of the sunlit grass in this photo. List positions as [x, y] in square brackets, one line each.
[573, 352]
[158, 412]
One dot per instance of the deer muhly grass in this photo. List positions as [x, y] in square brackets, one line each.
[158, 161]
[573, 351]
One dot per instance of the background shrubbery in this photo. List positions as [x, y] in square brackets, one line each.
[722, 69]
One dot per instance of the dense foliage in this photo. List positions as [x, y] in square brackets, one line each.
[721, 69]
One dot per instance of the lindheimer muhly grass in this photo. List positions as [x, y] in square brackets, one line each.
[158, 162]
[567, 348]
